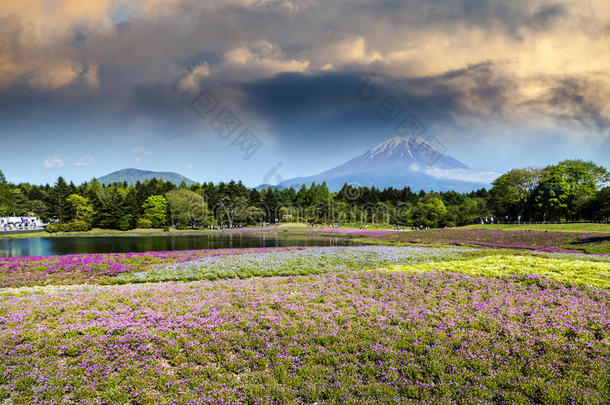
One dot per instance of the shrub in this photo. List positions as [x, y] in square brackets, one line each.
[125, 223]
[52, 228]
[144, 223]
[75, 226]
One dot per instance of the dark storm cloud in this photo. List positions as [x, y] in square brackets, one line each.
[330, 99]
[580, 100]
[509, 16]
[323, 106]
[138, 59]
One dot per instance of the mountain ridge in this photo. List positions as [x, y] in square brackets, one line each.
[132, 176]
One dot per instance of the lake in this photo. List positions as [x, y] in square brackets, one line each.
[123, 244]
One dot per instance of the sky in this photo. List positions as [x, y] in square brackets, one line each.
[265, 90]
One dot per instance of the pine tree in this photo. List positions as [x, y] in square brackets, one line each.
[59, 208]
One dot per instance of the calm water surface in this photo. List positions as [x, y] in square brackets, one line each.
[122, 244]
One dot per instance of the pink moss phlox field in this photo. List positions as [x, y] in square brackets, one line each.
[357, 337]
[98, 268]
[560, 242]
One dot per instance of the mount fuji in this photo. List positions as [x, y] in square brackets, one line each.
[399, 162]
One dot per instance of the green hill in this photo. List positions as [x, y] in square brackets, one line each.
[131, 176]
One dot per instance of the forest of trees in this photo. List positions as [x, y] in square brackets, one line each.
[572, 190]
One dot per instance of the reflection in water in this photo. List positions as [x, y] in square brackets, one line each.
[122, 244]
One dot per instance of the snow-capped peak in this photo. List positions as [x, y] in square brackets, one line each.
[390, 145]
[406, 150]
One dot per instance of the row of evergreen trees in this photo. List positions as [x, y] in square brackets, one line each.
[570, 190]
[156, 203]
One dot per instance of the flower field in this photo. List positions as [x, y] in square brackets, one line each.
[556, 242]
[98, 268]
[535, 269]
[334, 338]
[291, 263]
[369, 324]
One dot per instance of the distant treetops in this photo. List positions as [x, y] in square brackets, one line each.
[570, 190]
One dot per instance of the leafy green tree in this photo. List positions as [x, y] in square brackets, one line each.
[552, 193]
[512, 192]
[584, 179]
[403, 213]
[254, 197]
[2, 178]
[155, 210]
[463, 214]
[6, 200]
[271, 204]
[599, 206]
[38, 208]
[187, 208]
[234, 211]
[429, 213]
[82, 208]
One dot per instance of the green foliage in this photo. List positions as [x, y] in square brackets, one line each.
[430, 213]
[465, 213]
[75, 226]
[566, 190]
[599, 206]
[584, 179]
[6, 200]
[144, 223]
[552, 193]
[511, 192]
[20, 203]
[81, 207]
[571, 190]
[57, 201]
[187, 208]
[110, 206]
[155, 210]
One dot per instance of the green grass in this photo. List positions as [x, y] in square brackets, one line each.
[579, 227]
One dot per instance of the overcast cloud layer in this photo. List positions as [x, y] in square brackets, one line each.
[91, 87]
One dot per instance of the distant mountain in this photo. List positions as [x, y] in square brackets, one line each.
[131, 176]
[398, 162]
